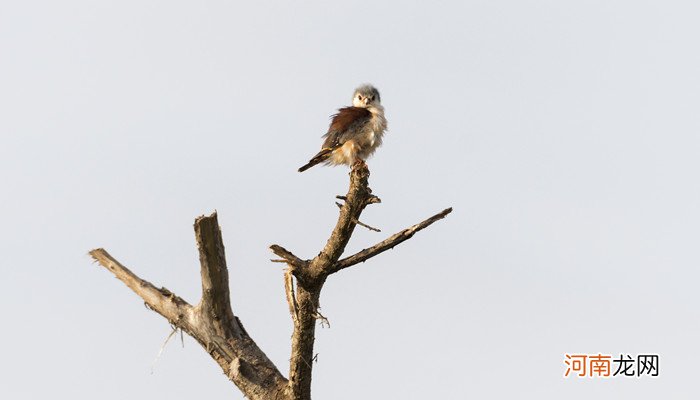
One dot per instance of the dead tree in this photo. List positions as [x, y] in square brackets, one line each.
[212, 322]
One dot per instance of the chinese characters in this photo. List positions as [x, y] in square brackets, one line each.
[604, 365]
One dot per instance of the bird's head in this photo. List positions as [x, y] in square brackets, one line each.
[366, 96]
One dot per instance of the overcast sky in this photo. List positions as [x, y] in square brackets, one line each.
[564, 134]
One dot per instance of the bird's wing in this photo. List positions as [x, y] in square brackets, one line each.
[344, 124]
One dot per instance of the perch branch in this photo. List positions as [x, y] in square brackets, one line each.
[313, 274]
[310, 281]
[358, 197]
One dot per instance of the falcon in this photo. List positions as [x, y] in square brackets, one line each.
[355, 132]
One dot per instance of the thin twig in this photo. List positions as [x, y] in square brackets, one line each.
[162, 347]
[367, 226]
[358, 222]
[321, 318]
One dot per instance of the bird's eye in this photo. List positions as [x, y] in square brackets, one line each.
[359, 97]
[371, 98]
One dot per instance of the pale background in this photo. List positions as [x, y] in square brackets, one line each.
[564, 134]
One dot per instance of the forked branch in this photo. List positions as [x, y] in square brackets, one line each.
[212, 322]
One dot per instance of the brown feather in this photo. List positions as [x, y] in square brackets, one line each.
[343, 121]
[320, 157]
[348, 116]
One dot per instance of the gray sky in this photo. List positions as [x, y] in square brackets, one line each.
[564, 134]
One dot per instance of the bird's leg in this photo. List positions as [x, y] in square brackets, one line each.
[358, 163]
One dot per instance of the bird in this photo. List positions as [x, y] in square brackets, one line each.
[355, 132]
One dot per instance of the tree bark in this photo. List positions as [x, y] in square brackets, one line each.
[213, 323]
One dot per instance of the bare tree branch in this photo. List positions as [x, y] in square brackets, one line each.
[288, 257]
[211, 322]
[176, 310]
[388, 243]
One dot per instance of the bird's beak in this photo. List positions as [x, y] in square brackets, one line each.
[366, 101]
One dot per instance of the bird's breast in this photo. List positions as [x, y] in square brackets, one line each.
[371, 137]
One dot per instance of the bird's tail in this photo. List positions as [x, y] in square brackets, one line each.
[322, 156]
